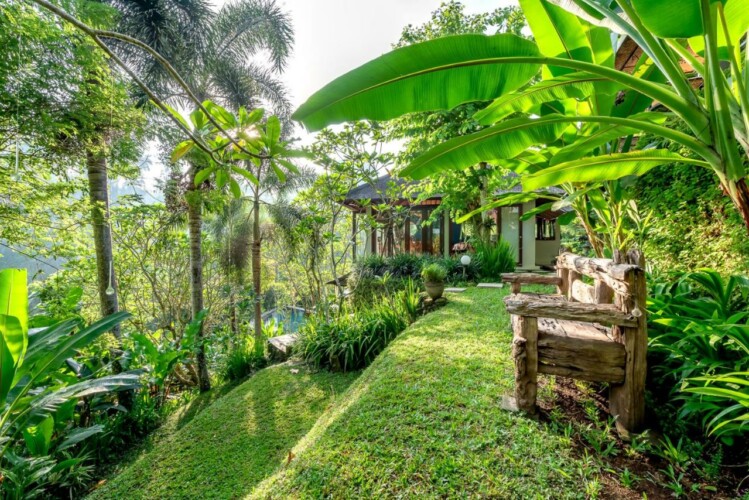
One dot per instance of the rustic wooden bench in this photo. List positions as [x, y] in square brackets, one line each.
[593, 331]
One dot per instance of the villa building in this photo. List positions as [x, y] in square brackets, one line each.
[536, 241]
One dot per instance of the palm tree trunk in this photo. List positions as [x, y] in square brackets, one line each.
[96, 164]
[256, 279]
[195, 224]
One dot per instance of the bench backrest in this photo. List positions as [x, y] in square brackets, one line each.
[610, 282]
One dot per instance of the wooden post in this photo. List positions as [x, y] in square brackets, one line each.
[516, 287]
[627, 400]
[525, 352]
[563, 274]
[604, 293]
[572, 276]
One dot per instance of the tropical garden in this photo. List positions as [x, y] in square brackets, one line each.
[163, 223]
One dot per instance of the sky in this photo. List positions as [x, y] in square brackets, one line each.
[333, 37]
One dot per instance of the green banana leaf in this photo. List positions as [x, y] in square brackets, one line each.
[433, 75]
[670, 18]
[604, 168]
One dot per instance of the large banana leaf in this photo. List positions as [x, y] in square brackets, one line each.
[604, 168]
[437, 74]
[13, 326]
[671, 18]
[605, 134]
[14, 304]
[737, 22]
[508, 139]
[505, 140]
[578, 85]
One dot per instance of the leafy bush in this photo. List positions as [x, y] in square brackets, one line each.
[699, 333]
[243, 359]
[434, 273]
[351, 338]
[494, 259]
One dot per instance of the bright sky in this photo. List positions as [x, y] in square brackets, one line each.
[335, 36]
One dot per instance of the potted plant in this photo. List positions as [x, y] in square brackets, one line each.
[434, 280]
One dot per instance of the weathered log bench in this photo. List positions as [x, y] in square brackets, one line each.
[595, 332]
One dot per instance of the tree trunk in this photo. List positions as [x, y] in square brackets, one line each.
[195, 223]
[96, 163]
[740, 198]
[256, 279]
[106, 279]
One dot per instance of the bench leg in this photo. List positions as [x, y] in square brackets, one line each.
[525, 353]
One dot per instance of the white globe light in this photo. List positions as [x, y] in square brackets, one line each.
[465, 260]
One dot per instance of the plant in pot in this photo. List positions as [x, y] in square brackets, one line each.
[434, 280]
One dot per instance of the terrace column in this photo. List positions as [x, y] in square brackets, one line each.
[368, 234]
[446, 234]
[529, 238]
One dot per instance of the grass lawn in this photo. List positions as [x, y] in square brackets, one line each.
[231, 444]
[425, 419]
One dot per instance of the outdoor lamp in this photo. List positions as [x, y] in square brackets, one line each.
[465, 260]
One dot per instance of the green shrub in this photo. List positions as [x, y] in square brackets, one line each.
[699, 333]
[434, 273]
[351, 338]
[243, 359]
[494, 259]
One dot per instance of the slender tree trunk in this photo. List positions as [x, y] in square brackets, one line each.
[106, 279]
[233, 315]
[256, 279]
[96, 163]
[740, 199]
[195, 225]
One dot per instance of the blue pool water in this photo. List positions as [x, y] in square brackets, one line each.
[290, 317]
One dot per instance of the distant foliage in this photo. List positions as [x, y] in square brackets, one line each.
[243, 359]
[699, 338]
[352, 337]
[494, 259]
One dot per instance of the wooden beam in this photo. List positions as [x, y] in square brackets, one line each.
[607, 314]
[581, 357]
[582, 292]
[531, 279]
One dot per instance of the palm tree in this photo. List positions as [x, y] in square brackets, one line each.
[216, 54]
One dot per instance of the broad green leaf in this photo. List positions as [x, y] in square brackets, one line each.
[202, 175]
[433, 75]
[236, 191]
[181, 150]
[504, 140]
[557, 33]
[177, 116]
[80, 434]
[606, 133]
[279, 173]
[604, 168]
[737, 21]
[244, 173]
[39, 437]
[221, 178]
[670, 18]
[577, 85]
[14, 325]
[288, 165]
[198, 119]
[635, 102]
[273, 131]
[224, 118]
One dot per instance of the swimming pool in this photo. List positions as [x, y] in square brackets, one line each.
[290, 317]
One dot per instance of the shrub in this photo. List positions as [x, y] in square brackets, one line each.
[434, 273]
[351, 338]
[699, 333]
[494, 259]
[243, 359]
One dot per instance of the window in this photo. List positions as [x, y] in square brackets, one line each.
[545, 229]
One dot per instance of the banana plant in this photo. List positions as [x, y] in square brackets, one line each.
[705, 36]
[31, 399]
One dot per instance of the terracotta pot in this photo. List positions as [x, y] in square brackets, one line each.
[435, 290]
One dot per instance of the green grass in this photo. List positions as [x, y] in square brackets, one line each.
[224, 448]
[423, 420]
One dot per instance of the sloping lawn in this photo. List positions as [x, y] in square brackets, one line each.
[233, 444]
[425, 420]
